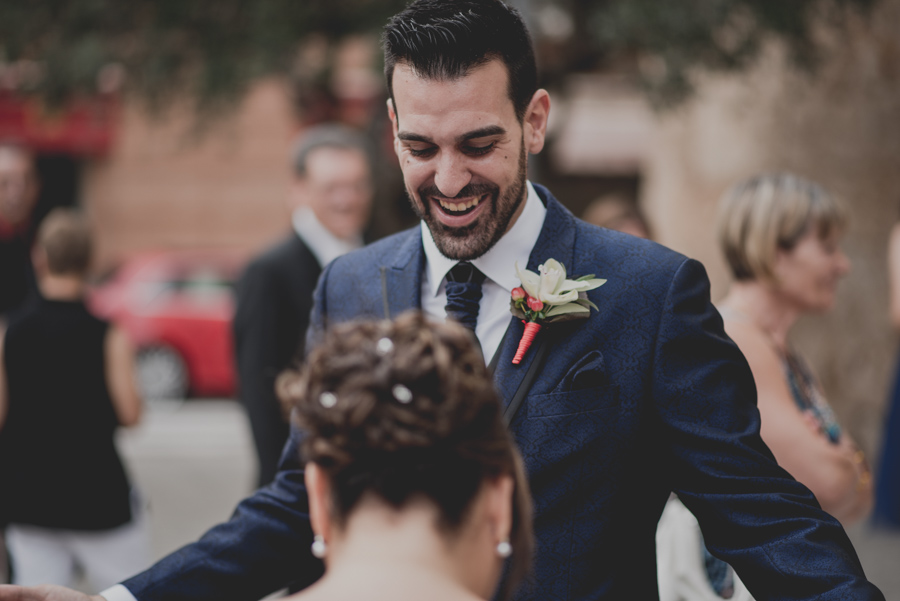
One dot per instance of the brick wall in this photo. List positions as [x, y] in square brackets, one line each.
[163, 185]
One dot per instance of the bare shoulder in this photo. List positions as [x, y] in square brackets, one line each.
[750, 339]
[765, 363]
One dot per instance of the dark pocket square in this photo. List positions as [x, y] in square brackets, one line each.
[588, 372]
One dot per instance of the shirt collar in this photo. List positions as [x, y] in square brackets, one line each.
[322, 243]
[499, 262]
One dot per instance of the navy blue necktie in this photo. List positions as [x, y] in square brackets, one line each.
[464, 293]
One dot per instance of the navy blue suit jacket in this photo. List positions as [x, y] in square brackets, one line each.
[645, 397]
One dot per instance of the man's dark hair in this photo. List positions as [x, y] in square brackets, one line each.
[445, 39]
[327, 135]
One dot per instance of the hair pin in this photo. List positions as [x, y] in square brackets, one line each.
[328, 399]
[384, 346]
[402, 393]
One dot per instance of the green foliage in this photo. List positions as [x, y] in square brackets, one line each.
[211, 49]
[672, 38]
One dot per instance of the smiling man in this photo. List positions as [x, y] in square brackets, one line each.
[643, 397]
[467, 185]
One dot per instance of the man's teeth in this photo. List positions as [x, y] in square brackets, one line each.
[459, 206]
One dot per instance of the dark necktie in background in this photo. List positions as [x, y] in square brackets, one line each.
[464, 293]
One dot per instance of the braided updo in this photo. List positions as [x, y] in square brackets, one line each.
[406, 409]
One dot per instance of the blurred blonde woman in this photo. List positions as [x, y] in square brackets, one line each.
[781, 237]
[416, 490]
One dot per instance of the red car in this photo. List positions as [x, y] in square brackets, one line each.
[177, 306]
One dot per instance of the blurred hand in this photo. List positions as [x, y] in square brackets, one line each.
[45, 592]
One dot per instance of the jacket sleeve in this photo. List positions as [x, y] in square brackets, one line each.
[753, 514]
[264, 547]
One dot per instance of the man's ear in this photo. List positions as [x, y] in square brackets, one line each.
[535, 121]
[395, 127]
[318, 489]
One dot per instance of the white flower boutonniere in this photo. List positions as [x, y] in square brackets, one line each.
[548, 297]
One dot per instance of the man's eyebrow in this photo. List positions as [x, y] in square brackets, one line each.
[411, 137]
[482, 132]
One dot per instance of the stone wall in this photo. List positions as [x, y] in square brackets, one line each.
[840, 128]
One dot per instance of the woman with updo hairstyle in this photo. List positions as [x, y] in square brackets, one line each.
[780, 235]
[416, 490]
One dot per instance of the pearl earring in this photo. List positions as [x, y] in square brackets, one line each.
[504, 549]
[319, 548]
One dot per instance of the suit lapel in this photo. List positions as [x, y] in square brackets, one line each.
[556, 241]
[401, 290]
[401, 277]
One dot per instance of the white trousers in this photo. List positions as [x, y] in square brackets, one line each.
[48, 556]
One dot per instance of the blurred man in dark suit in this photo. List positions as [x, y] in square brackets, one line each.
[330, 200]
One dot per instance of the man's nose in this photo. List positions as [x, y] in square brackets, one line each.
[349, 193]
[451, 175]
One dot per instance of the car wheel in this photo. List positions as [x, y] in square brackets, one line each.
[161, 374]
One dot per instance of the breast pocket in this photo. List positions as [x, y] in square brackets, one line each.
[571, 402]
[588, 372]
[561, 432]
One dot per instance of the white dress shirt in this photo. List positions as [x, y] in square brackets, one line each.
[324, 245]
[498, 264]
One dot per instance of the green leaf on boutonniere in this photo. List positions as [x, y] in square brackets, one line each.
[573, 307]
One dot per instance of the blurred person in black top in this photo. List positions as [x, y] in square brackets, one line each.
[66, 384]
[330, 199]
[18, 194]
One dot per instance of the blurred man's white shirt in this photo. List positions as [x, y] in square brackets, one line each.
[321, 242]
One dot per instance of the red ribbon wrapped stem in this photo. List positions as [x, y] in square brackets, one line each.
[531, 330]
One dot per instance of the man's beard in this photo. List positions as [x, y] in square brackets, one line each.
[473, 240]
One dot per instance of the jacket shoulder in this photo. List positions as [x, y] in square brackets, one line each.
[385, 252]
[353, 285]
[618, 252]
[285, 252]
[280, 263]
